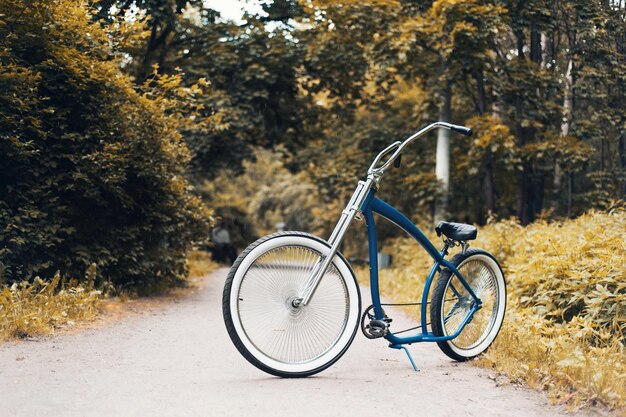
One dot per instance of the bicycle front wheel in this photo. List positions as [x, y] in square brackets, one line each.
[261, 320]
[452, 302]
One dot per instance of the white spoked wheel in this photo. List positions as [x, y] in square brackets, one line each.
[262, 321]
[451, 303]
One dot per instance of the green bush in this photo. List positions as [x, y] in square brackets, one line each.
[91, 169]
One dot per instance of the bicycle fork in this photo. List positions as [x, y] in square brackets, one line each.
[347, 215]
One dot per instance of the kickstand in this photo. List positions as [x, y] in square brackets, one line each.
[395, 346]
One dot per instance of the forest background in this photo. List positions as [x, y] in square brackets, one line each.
[128, 128]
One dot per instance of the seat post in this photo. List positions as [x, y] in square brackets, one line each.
[450, 243]
[446, 246]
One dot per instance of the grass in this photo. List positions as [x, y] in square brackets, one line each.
[29, 309]
[566, 316]
[38, 308]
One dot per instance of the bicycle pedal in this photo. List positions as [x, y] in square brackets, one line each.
[378, 328]
[373, 328]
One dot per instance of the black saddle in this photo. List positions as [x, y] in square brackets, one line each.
[456, 231]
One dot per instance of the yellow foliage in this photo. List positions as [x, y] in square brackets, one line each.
[200, 264]
[38, 308]
[566, 316]
[571, 152]
[28, 309]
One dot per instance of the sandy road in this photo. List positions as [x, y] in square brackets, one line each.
[179, 361]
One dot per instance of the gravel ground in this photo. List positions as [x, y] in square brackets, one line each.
[176, 359]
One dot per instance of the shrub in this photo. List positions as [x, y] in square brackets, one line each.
[268, 193]
[200, 264]
[91, 169]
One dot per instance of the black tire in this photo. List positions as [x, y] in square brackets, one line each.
[232, 316]
[482, 268]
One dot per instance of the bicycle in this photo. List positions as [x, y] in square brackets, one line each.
[292, 305]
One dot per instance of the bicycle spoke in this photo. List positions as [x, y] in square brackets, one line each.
[280, 331]
[455, 291]
[483, 282]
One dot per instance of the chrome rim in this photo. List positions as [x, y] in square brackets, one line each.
[266, 310]
[458, 302]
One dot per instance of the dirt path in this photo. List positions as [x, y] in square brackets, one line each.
[179, 361]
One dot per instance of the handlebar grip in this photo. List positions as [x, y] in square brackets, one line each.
[462, 130]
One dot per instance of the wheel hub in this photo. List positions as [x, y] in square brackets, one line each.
[295, 302]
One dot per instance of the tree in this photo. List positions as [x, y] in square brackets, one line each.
[256, 72]
[456, 38]
[162, 19]
[253, 68]
[332, 82]
[92, 168]
[599, 115]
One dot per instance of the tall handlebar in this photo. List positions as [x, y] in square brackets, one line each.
[354, 205]
[397, 147]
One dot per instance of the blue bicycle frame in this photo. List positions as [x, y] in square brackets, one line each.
[372, 205]
[363, 200]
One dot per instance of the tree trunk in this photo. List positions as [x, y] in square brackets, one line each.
[442, 163]
[621, 151]
[521, 210]
[482, 96]
[568, 100]
[535, 180]
[568, 108]
[539, 189]
[535, 46]
[489, 187]
[520, 43]
[570, 192]
[602, 163]
[545, 51]
[156, 40]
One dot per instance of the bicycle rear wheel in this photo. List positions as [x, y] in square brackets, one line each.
[451, 302]
[261, 320]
